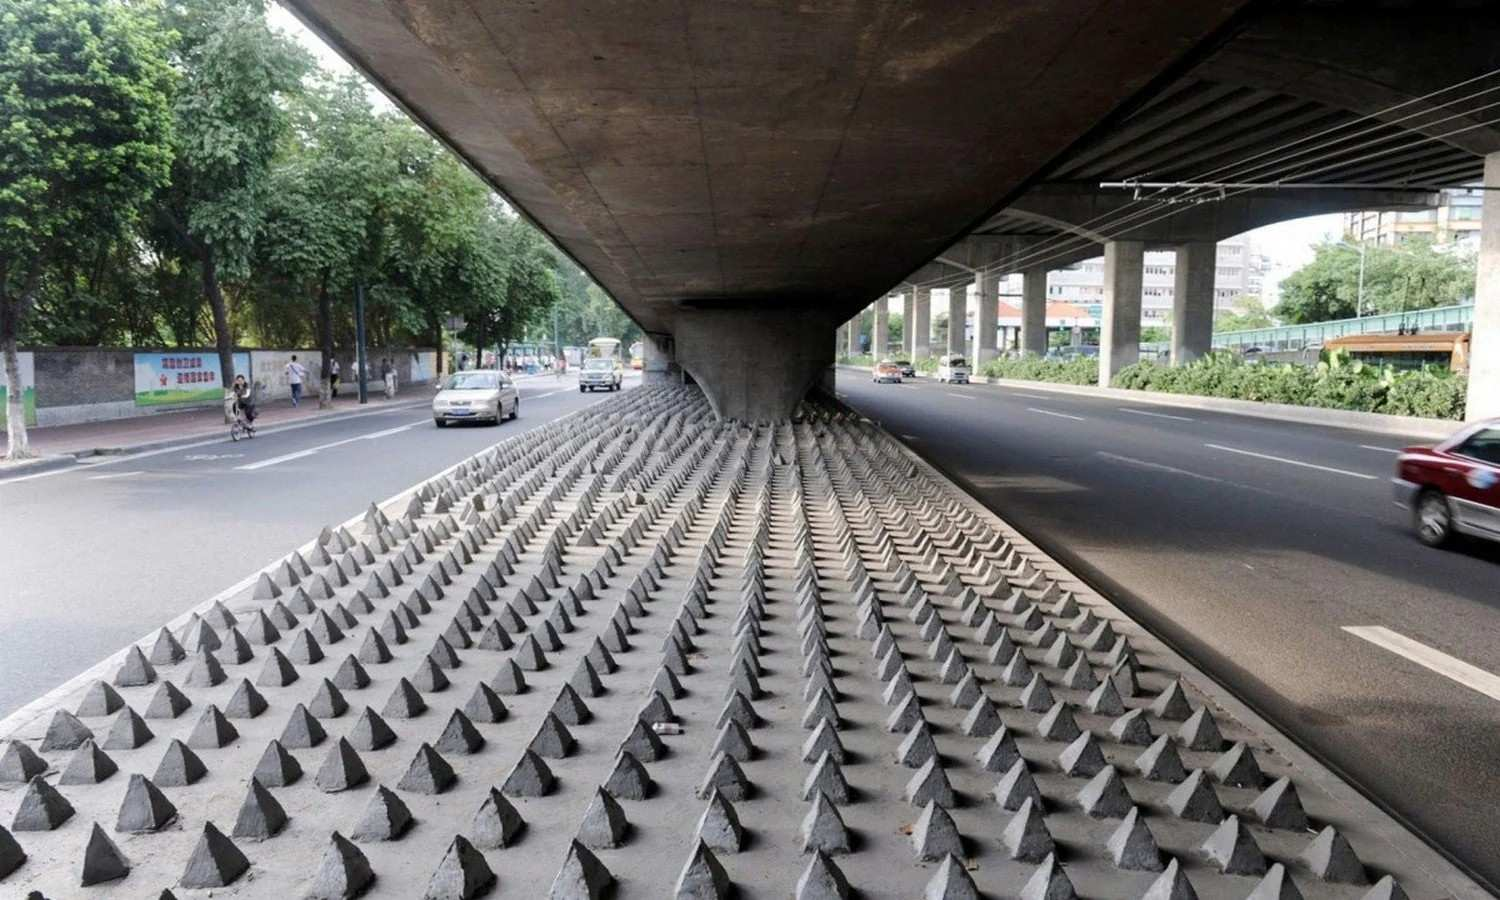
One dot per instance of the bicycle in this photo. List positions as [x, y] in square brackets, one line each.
[243, 426]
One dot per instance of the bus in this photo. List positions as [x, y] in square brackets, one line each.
[604, 348]
[1448, 349]
[637, 355]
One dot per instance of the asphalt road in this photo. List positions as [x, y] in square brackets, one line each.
[1251, 545]
[95, 556]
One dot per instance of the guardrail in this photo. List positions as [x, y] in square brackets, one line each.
[1298, 337]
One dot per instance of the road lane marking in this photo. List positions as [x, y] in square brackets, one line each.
[276, 460]
[302, 454]
[1292, 462]
[910, 437]
[112, 475]
[957, 394]
[1154, 415]
[1378, 449]
[1471, 677]
[1030, 396]
[1162, 467]
[1048, 412]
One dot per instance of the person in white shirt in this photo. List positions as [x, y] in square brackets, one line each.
[295, 372]
[333, 377]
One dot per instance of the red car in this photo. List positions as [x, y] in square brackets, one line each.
[1453, 488]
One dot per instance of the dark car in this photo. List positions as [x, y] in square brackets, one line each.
[907, 369]
[1454, 487]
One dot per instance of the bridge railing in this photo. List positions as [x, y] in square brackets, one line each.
[1315, 334]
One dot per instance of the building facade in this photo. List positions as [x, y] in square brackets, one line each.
[1455, 222]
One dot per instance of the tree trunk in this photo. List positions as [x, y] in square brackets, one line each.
[222, 338]
[15, 401]
[325, 340]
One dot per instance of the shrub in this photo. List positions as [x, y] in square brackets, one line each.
[1080, 370]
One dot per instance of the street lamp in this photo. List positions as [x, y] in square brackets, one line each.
[1359, 292]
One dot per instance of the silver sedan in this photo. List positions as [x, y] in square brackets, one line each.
[482, 395]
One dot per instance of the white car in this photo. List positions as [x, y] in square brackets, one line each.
[476, 395]
[600, 374]
[953, 369]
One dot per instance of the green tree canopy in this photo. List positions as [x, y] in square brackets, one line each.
[1412, 275]
[1246, 312]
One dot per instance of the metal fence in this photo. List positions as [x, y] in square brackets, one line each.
[1301, 337]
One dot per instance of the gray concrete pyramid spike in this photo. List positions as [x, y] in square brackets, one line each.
[99, 700]
[1082, 757]
[1171, 884]
[277, 767]
[1002, 650]
[951, 881]
[1133, 846]
[585, 679]
[497, 823]
[405, 702]
[898, 686]
[582, 876]
[234, 649]
[530, 656]
[935, 835]
[509, 679]
[703, 877]
[725, 775]
[494, 637]
[823, 829]
[102, 860]
[615, 632]
[1105, 797]
[429, 676]
[260, 815]
[1195, 800]
[1276, 885]
[982, 719]
[570, 708]
[265, 588]
[734, 741]
[246, 702]
[738, 708]
[328, 701]
[600, 656]
[656, 708]
[643, 743]
[824, 739]
[1016, 787]
[1026, 837]
[260, 630]
[341, 770]
[1080, 675]
[299, 602]
[344, 871]
[1161, 762]
[1232, 849]
[966, 692]
[826, 777]
[166, 650]
[529, 778]
[144, 809]
[484, 705]
[462, 874]
[428, 773]
[547, 638]
[1058, 724]
[1060, 653]
[370, 732]
[1017, 672]
[1387, 888]
[392, 630]
[629, 779]
[88, 765]
[1331, 858]
[351, 676]
[322, 629]
[822, 880]
[1201, 732]
[929, 783]
[205, 671]
[1105, 700]
[552, 739]
[373, 648]
[1279, 806]
[604, 824]
[386, 817]
[216, 861]
[1237, 767]
[135, 669]
[1037, 696]
[128, 732]
[460, 735]
[359, 604]
[917, 748]
[998, 753]
[1132, 728]
[179, 766]
[1049, 882]
[1172, 703]
[11, 854]
[19, 764]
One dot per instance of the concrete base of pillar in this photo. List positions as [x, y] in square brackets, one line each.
[754, 365]
[659, 366]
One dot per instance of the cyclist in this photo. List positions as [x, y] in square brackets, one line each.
[244, 400]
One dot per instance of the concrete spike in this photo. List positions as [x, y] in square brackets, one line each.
[277, 767]
[917, 748]
[460, 735]
[530, 656]
[1387, 888]
[1017, 672]
[99, 700]
[1037, 697]
[462, 874]
[428, 773]
[1171, 884]
[493, 637]
[935, 835]
[128, 732]
[966, 692]
[216, 861]
[822, 880]
[246, 702]
[1133, 846]
[1105, 797]
[930, 783]
[1172, 703]
[1233, 850]
[582, 876]
[1238, 767]
[1279, 806]
[1161, 762]
[1082, 757]
[343, 873]
[341, 770]
[725, 776]
[1276, 885]
[1201, 732]
[585, 680]
[179, 766]
[509, 679]
[386, 817]
[1105, 700]
[260, 816]
[19, 764]
[1016, 787]
[102, 860]
[951, 881]
[703, 877]
[88, 765]
[1132, 728]
[351, 676]
[145, 808]
[824, 739]
[529, 778]
[999, 753]
[604, 824]
[1330, 858]
[629, 779]
[1049, 882]
[570, 708]
[552, 739]
[656, 709]
[734, 741]
[1026, 837]
[373, 649]
[497, 823]
[1195, 800]
[643, 743]
[370, 732]
[1059, 724]
[205, 671]
[982, 719]
[826, 777]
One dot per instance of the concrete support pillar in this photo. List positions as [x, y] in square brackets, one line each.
[1120, 331]
[880, 330]
[851, 347]
[1193, 300]
[908, 325]
[658, 366]
[921, 323]
[1034, 312]
[755, 365]
[958, 317]
[1484, 349]
[986, 317]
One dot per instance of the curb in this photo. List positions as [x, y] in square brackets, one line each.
[36, 465]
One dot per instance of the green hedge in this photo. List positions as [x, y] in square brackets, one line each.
[1335, 383]
[1080, 370]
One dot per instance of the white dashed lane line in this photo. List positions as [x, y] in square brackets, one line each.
[1048, 412]
[1471, 677]
[1291, 462]
[1154, 415]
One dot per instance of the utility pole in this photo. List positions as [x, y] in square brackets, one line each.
[359, 339]
[1359, 294]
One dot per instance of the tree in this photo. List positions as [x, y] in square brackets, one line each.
[1246, 312]
[84, 126]
[1409, 276]
[230, 114]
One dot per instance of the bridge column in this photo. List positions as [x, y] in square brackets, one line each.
[880, 329]
[658, 365]
[1484, 349]
[986, 318]
[1120, 332]
[1034, 312]
[1193, 300]
[908, 325]
[958, 316]
[921, 323]
[852, 347]
[755, 365]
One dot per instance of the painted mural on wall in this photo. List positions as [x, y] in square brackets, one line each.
[170, 379]
[28, 389]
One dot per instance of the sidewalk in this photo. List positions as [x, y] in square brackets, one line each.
[62, 444]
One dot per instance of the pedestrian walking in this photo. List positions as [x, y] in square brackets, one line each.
[388, 376]
[333, 378]
[295, 373]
